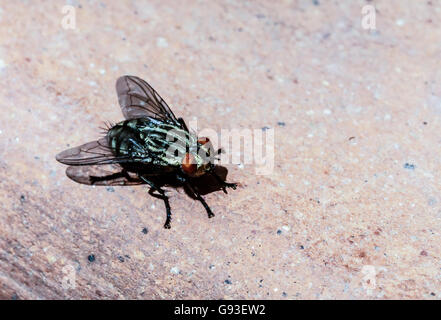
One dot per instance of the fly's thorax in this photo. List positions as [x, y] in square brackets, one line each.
[176, 142]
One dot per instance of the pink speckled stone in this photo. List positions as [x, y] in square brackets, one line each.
[351, 211]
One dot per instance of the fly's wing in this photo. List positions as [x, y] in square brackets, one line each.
[103, 175]
[139, 100]
[91, 153]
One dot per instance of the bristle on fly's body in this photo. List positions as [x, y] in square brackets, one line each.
[107, 126]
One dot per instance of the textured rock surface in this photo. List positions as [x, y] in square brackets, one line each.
[352, 209]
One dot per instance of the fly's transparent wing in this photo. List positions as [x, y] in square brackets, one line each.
[103, 175]
[139, 100]
[91, 153]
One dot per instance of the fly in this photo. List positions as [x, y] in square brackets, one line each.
[150, 144]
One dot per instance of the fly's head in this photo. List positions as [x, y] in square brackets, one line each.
[199, 159]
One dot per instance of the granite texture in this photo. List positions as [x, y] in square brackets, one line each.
[352, 209]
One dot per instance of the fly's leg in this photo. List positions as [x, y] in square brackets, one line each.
[161, 196]
[223, 183]
[199, 197]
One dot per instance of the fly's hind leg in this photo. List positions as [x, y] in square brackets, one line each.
[162, 196]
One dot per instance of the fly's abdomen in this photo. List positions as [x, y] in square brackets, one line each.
[119, 138]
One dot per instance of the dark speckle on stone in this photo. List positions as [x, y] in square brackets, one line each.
[265, 128]
[315, 2]
[22, 198]
[110, 189]
[425, 123]
[91, 258]
[301, 247]
[145, 230]
[279, 231]
[14, 297]
[281, 123]
[409, 166]
[432, 293]
[121, 258]
[228, 281]
[284, 294]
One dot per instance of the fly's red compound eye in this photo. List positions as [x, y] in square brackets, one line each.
[189, 165]
[203, 140]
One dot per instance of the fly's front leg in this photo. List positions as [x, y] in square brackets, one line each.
[199, 197]
[162, 196]
[223, 183]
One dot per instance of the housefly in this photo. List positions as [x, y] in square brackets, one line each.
[150, 143]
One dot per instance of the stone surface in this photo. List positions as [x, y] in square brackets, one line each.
[351, 210]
